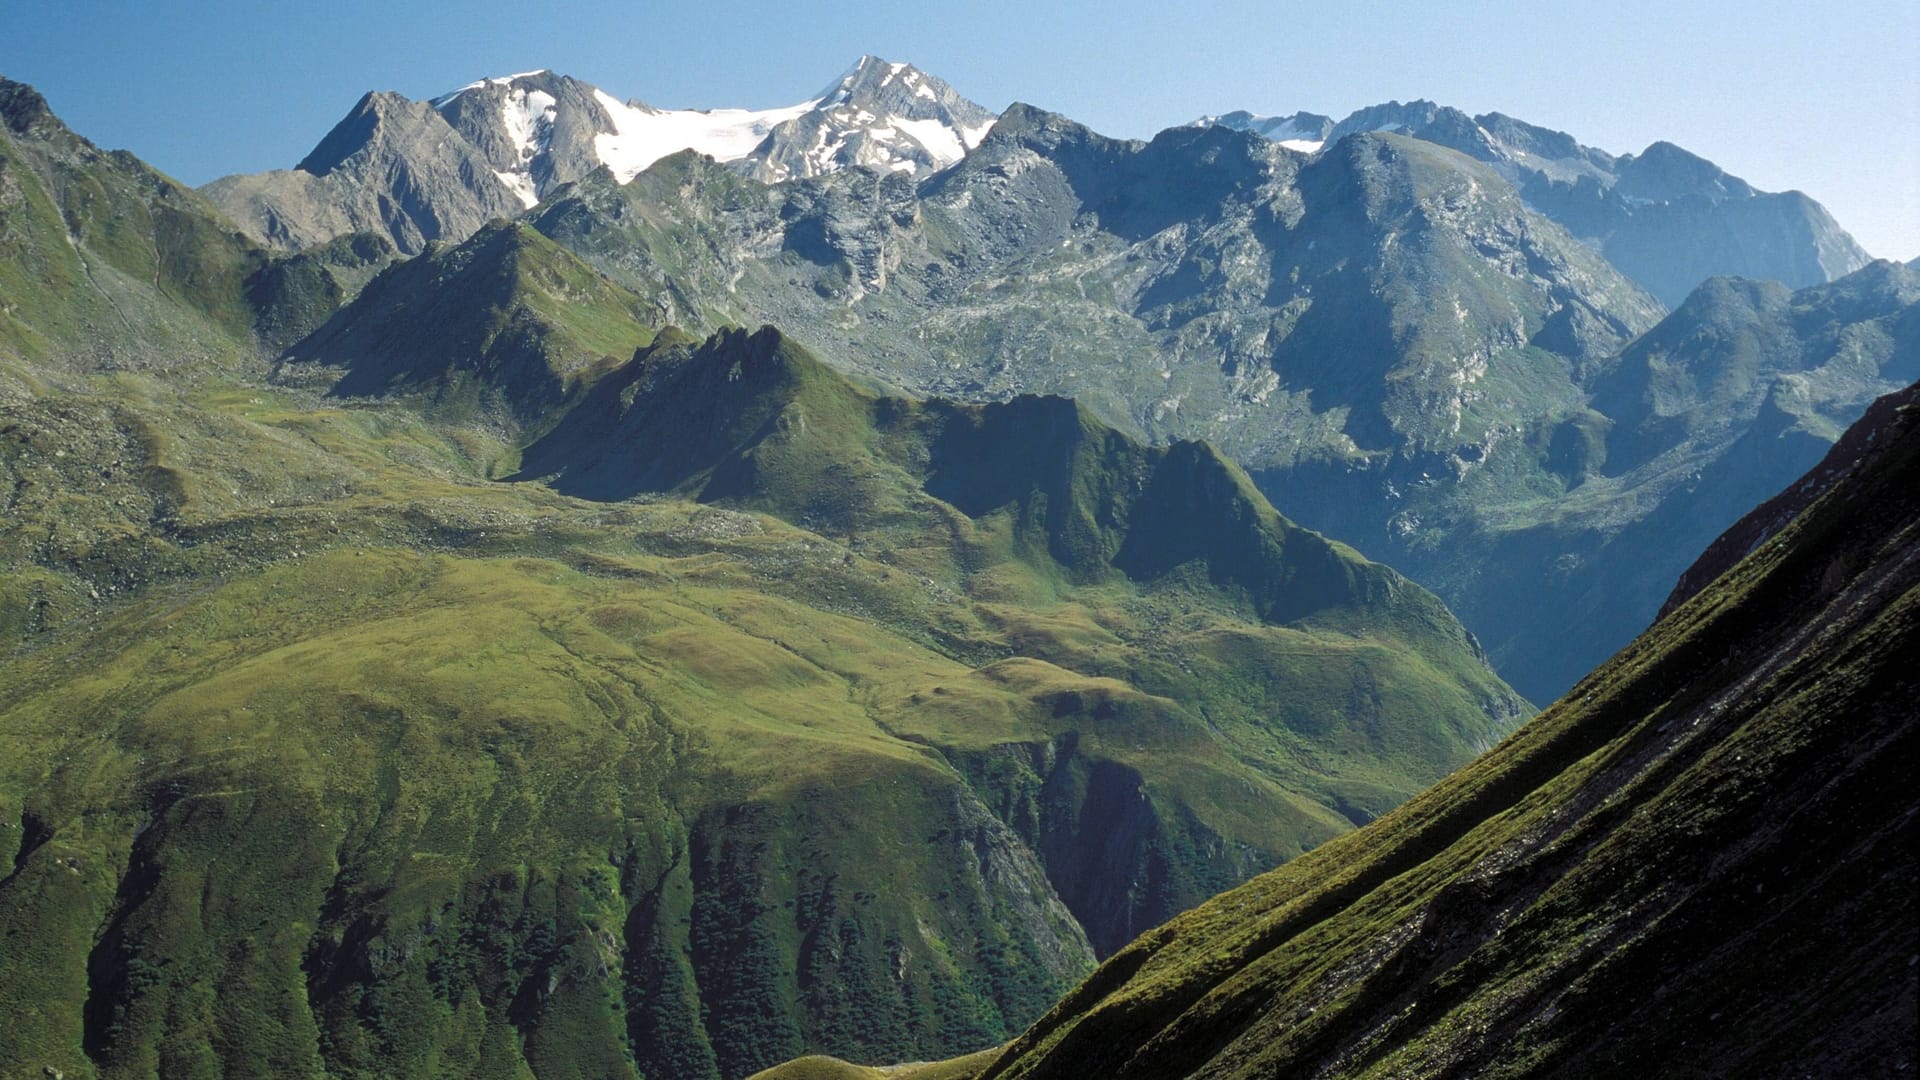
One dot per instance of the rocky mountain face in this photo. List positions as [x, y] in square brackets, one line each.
[889, 117]
[421, 171]
[1667, 218]
[1699, 862]
[392, 167]
[1199, 284]
[537, 131]
[1733, 395]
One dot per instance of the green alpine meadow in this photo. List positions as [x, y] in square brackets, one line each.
[555, 587]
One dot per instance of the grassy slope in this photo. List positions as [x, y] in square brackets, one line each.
[101, 255]
[332, 754]
[1698, 863]
[107, 263]
[1034, 502]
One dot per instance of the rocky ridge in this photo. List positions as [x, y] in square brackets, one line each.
[1666, 217]
[437, 170]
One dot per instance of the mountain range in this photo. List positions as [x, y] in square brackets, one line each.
[811, 583]
[1402, 348]
[1667, 218]
[414, 171]
[1386, 333]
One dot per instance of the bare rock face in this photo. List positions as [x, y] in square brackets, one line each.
[393, 167]
[537, 130]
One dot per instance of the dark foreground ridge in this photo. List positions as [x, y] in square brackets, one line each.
[1698, 863]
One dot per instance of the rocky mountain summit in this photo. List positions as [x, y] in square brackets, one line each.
[1668, 218]
[437, 170]
[1303, 131]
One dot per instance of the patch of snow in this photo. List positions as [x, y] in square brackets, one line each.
[521, 184]
[939, 139]
[643, 135]
[1305, 146]
[525, 113]
[970, 137]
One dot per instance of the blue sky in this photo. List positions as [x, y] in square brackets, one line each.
[1823, 98]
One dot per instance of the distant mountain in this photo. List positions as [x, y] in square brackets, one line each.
[1303, 131]
[1206, 284]
[1737, 392]
[420, 171]
[1667, 218]
[1864, 446]
[1699, 863]
[888, 117]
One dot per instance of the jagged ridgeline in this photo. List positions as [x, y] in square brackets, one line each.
[1698, 863]
[762, 713]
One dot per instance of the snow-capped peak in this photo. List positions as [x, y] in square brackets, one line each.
[494, 80]
[887, 116]
[539, 129]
